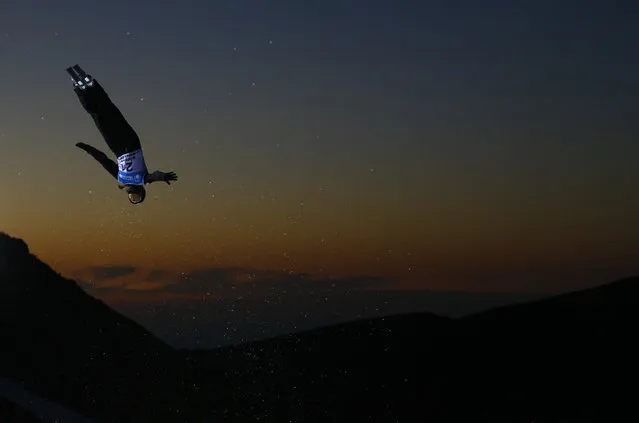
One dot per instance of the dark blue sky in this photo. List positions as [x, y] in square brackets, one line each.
[445, 144]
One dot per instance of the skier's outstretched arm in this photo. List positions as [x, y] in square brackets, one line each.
[106, 162]
[159, 176]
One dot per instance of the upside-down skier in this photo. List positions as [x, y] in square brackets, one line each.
[130, 170]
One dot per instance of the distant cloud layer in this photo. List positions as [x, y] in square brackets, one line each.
[219, 282]
[97, 274]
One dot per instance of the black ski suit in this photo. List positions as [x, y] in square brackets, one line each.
[116, 131]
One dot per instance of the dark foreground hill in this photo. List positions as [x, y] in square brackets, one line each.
[574, 355]
[13, 413]
[66, 346]
[568, 358]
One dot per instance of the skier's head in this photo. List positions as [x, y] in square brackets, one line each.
[136, 193]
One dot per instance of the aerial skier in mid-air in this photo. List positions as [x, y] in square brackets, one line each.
[130, 170]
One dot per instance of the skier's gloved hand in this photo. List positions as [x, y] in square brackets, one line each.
[168, 177]
[159, 176]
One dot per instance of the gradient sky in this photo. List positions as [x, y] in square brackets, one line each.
[458, 145]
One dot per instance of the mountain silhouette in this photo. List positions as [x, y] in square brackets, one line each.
[573, 355]
[567, 358]
[64, 345]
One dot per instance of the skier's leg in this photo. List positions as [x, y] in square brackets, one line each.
[116, 131]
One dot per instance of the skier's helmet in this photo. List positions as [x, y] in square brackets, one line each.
[136, 193]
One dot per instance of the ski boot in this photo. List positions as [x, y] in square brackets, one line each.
[80, 78]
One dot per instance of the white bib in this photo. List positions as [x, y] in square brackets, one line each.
[132, 168]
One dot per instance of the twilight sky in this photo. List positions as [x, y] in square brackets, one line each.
[447, 145]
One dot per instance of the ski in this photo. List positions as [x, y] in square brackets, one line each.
[79, 77]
